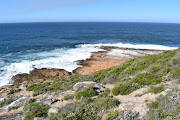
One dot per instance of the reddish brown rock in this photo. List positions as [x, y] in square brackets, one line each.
[40, 75]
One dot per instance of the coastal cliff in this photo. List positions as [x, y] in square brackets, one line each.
[143, 87]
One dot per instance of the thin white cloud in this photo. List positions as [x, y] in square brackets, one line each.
[35, 5]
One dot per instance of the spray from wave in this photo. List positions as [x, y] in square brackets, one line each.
[58, 58]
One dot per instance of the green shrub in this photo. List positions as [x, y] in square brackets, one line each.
[122, 89]
[89, 92]
[55, 85]
[106, 103]
[176, 60]
[29, 116]
[67, 97]
[155, 68]
[157, 89]
[176, 73]
[2, 104]
[166, 107]
[125, 88]
[86, 109]
[36, 110]
[112, 115]
[147, 79]
[12, 91]
[52, 116]
[105, 94]
[154, 105]
[13, 108]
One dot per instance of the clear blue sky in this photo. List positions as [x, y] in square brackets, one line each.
[89, 10]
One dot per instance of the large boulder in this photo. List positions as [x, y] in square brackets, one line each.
[40, 75]
[18, 103]
[81, 85]
[49, 101]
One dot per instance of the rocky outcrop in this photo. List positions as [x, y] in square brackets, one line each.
[40, 75]
[49, 101]
[81, 85]
[18, 103]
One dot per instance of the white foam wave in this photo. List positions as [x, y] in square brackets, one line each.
[58, 58]
[62, 58]
[134, 46]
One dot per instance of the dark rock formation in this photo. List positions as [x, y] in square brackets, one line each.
[40, 75]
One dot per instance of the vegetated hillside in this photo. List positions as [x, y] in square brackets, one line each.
[133, 74]
[143, 72]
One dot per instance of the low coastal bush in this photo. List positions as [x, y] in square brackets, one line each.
[112, 115]
[12, 91]
[122, 115]
[35, 110]
[67, 97]
[176, 61]
[2, 104]
[157, 89]
[124, 88]
[56, 84]
[104, 94]
[147, 79]
[105, 103]
[166, 107]
[154, 105]
[6, 102]
[86, 109]
[155, 68]
[88, 92]
[176, 73]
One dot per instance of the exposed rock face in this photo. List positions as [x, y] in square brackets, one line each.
[40, 75]
[18, 103]
[49, 101]
[53, 110]
[81, 85]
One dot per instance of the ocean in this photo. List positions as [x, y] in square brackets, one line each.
[25, 46]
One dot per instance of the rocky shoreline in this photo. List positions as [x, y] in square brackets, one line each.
[109, 58]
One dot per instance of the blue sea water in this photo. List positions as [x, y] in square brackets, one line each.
[24, 46]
